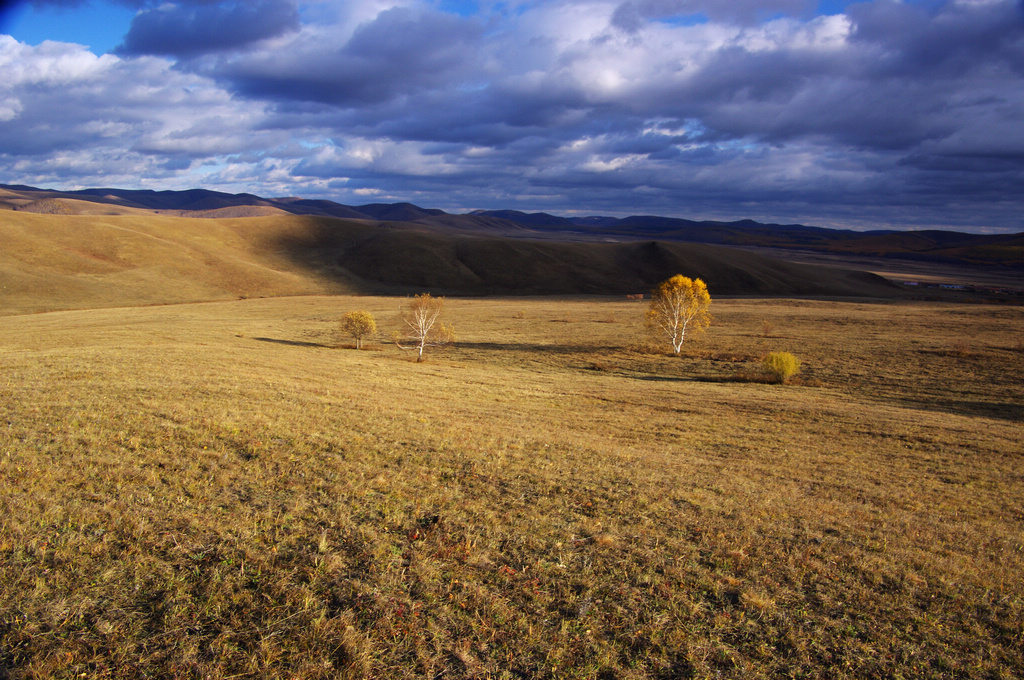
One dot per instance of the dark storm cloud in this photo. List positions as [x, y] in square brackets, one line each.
[915, 42]
[903, 79]
[185, 30]
[401, 52]
[493, 117]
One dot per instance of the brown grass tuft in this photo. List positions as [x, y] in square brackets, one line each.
[757, 603]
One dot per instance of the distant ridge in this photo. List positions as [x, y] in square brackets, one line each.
[928, 245]
[539, 219]
[398, 212]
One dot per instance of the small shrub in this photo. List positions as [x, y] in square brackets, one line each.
[781, 365]
[757, 603]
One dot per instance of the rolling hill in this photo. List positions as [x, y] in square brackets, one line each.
[79, 261]
[1005, 251]
[57, 261]
[406, 260]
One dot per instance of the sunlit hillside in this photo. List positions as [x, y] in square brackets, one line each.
[79, 261]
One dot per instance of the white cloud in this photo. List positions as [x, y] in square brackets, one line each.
[822, 33]
[10, 109]
[49, 64]
[70, 114]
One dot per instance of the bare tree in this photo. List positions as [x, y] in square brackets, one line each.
[423, 328]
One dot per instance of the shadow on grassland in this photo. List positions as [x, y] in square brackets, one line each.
[401, 258]
[536, 347]
[982, 409]
[293, 343]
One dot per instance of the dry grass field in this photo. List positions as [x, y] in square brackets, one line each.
[228, 490]
[52, 262]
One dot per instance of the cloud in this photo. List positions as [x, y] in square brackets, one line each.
[398, 53]
[890, 113]
[70, 114]
[186, 30]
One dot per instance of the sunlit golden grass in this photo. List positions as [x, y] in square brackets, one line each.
[220, 490]
[53, 262]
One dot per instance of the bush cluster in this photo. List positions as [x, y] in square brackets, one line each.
[781, 365]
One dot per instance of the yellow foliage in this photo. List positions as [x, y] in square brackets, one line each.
[679, 304]
[358, 324]
[782, 365]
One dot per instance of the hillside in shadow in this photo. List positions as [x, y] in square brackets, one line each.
[396, 258]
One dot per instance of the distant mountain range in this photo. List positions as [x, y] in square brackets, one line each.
[930, 245]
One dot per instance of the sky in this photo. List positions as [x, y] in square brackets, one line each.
[863, 115]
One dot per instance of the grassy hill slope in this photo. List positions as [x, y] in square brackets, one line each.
[404, 260]
[77, 261]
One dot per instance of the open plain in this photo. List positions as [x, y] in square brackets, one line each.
[202, 477]
[230, 490]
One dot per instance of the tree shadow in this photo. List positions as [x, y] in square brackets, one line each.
[535, 347]
[996, 410]
[663, 378]
[294, 343]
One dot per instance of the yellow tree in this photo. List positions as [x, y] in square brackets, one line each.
[679, 305]
[421, 317]
[358, 324]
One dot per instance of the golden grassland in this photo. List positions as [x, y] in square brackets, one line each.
[229, 490]
[52, 262]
